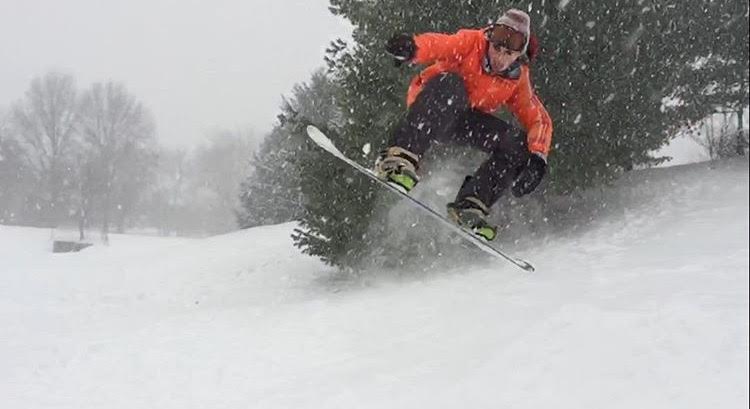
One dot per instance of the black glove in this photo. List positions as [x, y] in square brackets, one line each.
[530, 176]
[402, 47]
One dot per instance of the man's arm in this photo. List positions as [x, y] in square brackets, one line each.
[433, 47]
[530, 111]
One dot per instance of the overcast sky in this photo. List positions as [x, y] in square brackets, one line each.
[199, 65]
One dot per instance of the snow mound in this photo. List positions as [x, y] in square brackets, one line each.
[647, 308]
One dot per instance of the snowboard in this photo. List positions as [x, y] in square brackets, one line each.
[322, 140]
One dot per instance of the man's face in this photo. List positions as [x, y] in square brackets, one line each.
[506, 45]
[501, 58]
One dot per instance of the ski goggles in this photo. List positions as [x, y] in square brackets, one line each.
[502, 36]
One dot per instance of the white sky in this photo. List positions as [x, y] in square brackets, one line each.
[199, 65]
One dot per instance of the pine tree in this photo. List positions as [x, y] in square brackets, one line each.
[272, 192]
[604, 72]
[717, 81]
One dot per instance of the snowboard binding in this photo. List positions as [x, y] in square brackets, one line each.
[471, 214]
[398, 166]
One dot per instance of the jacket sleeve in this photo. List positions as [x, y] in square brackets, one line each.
[530, 112]
[433, 47]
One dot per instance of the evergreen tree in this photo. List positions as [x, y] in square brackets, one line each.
[343, 216]
[717, 82]
[604, 72]
[272, 193]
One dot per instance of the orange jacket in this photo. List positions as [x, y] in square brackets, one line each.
[463, 53]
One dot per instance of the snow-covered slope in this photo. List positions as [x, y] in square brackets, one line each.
[646, 309]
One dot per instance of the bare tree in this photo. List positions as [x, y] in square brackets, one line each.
[45, 123]
[12, 174]
[720, 135]
[216, 174]
[168, 199]
[4, 121]
[117, 132]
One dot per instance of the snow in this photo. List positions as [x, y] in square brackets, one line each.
[646, 308]
[682, 149]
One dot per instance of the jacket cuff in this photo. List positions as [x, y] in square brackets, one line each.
[540, 155]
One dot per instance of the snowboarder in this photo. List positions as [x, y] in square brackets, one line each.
[472, 73]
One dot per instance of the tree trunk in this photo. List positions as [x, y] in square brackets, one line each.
[81, 224]
[105, 216]
[83, 218]
[121, 221]
[740, 142]
[710, 138]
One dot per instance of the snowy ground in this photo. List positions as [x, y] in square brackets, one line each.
[647, 309]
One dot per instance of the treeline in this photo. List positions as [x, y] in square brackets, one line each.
[90, 158]
[619, 77]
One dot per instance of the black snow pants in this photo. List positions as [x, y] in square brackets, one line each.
[441, 112]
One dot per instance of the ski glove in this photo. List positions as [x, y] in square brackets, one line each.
[402, 47]
[531, 175]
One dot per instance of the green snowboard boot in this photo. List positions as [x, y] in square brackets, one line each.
[471, 214]
[398, 167]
